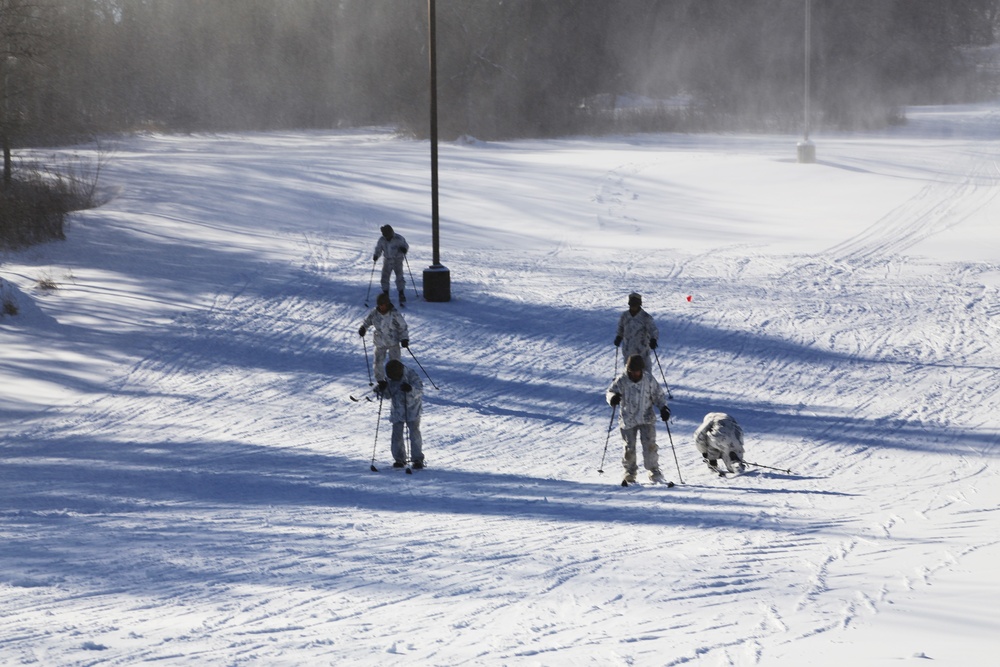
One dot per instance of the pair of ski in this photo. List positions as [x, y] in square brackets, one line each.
[655, 482]
[724, 474]
[370, 395]
[743, 469]
[663, 482]
[408, 469]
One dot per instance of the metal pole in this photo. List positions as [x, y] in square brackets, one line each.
[432, 48]
[437, 278]
[406, 431]
[808, 58]
[421, 367]
[600, 468]
[669, 395]
[680, 478]
[806, 149]
[371, 279]
[378, 420]
[758, 465]
[412, 281]
[367, 365]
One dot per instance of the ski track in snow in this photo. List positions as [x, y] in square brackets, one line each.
[215, 506]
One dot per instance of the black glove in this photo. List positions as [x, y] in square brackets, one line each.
[665, 413]
[652, 343]
[615, 399]
[362, 331]
[374, 258]
[618, 341]
[382, 384]
[405, 342]
[406, 387]
[404, 250]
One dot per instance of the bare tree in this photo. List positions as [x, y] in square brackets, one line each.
[21, 41]
[506, 67]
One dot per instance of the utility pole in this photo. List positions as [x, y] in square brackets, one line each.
[437, 278]
[806, 148]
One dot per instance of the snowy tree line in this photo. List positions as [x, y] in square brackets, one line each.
[505, 67]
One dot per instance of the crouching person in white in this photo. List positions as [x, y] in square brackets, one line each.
[720, 437]
[406, 390]
[639, 395]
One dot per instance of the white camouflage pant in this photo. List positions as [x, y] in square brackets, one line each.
[380, 359]
[416, 441]
[388, 266]
[650, 452]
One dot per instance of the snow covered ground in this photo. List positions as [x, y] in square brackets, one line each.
[183, 479]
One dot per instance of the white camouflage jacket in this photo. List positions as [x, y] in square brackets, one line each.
[390, 328]
[391, 249]
[406, 405]
[641, 401]
[636, 332]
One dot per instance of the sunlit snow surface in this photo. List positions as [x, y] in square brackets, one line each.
[184, 480]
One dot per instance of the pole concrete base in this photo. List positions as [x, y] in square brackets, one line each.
[806, 151]
[437, 283]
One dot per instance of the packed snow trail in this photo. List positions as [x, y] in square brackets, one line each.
[212, 503]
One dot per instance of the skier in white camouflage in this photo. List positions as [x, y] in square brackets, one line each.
[639, 395]
[392, 247]
[637, 332]
[720, 437]
[406, 390]
[390, 333]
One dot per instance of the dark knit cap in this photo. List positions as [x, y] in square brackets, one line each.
[635, 363]
[394, 369]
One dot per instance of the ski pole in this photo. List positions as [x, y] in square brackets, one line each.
[412, 281]
[406, 427]
[370, 280]
[421, 367]
[611, 425]
[676, 462]
[614, 408]
[757, 465]
[662, 375]
[374, 446]
[367, 365]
